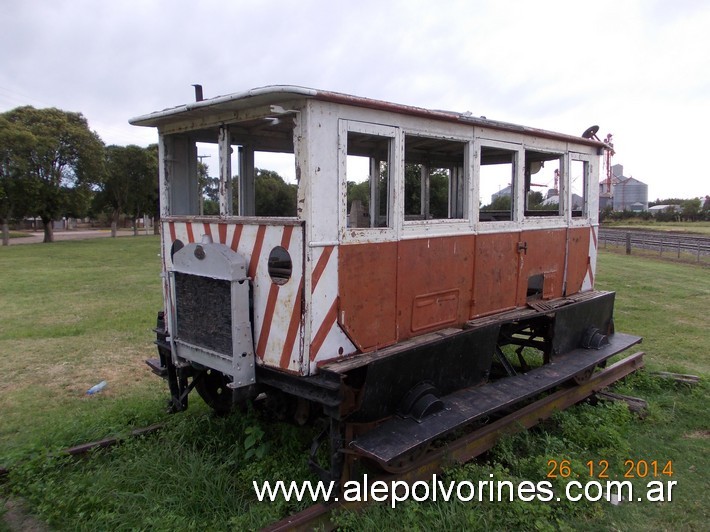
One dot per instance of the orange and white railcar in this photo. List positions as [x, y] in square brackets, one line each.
[418, 245]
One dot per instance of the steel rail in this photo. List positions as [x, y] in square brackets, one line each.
[84, 448]
[471, 445]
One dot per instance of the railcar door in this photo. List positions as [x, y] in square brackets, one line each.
[498, 250]
[495, 281]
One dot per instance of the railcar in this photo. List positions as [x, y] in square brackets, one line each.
[432, 268]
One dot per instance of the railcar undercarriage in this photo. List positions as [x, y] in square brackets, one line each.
[389, 406]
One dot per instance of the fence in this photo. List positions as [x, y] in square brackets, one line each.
[669, 245]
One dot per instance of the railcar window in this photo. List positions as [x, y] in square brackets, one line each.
[275, 189]
[497, 184]
[245, 169]
[543, 175]
[579, 172]
[368, 170]
[434, 178]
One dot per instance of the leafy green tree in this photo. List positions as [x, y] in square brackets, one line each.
[65, 154]
[690, 209]
[502, 202]
[273, 196]
[439, 194]
[359, 191]
[209, 190]
[16, 183]
[144, 198]
[535, 200]
[438, 191]
[130, 183]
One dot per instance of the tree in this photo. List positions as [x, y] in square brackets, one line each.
[130, 183]
[438, 207]
[503, 202]
[359, 191]
[690, 209]
[65, 154]
[16, 184]
[273, 196]
[208, 190]
[439, 194]
[535, 200]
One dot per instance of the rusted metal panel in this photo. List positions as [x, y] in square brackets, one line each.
[495, 280]
[367, 287]
[543, 254]
[434, 283]
[577, 259]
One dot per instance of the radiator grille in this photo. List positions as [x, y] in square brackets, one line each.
[204, 312]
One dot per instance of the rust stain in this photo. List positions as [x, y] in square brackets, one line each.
[268, 317]
[320, 266]
[222, 230]
[545, 255]
[293, 327]
[496, 274]
[190, 236]
[173, 236]
[208, 229]
[434, 283]
[367, 286]
[256, 250]
[578, 264]
[324, 329]
[236, 237]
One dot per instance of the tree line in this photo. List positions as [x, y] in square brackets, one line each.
[52, 165]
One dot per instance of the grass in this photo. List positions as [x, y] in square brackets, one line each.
[75, 313]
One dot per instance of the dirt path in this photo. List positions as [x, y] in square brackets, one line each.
[79, 234]
[17, 519]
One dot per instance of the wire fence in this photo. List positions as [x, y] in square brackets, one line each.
[667, 245]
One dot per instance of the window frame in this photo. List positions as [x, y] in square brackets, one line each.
[587, 209]
[395, 206]
[437, 225]
[517, 151]
[562, 191]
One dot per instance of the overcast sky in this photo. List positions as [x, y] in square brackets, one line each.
[640, 69]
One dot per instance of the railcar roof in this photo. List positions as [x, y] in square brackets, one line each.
[276, 94]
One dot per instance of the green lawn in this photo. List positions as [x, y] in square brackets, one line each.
[700, 228]
[75, 313]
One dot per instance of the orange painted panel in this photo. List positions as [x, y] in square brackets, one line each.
[577, 259]
[434, 283]
[435, 310]
[545, 256]
[495, 281]
[367, 288]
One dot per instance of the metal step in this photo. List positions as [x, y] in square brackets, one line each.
[399, 436]
[154, 365]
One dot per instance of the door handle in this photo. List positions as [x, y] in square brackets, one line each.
[523, 247]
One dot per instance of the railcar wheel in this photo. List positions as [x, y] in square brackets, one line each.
[212, 387]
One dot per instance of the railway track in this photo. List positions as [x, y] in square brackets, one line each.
[460, 450]
[665, 243]
[471, 445]
[84, 448]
